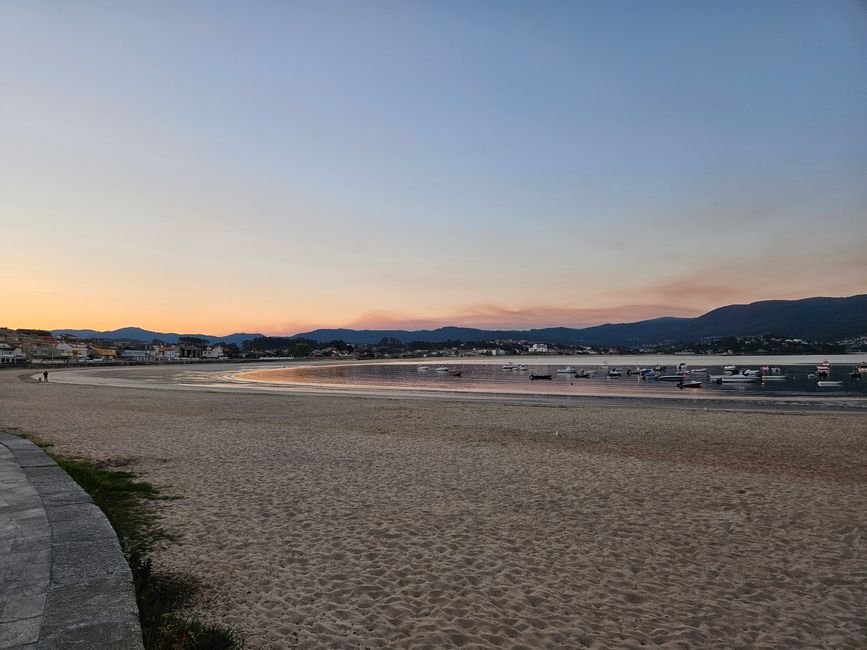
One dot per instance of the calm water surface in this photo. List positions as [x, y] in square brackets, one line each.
[489, 376]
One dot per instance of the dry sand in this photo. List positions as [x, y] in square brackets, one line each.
[371, 523]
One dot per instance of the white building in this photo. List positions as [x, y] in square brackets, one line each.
[167, 353]
[10, 356]
[74, 352]
[215, 352]
[136, 355]
[538, 348]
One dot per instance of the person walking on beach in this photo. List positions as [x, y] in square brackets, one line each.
[45, 375]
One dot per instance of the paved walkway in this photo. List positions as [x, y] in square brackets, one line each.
[64, 582]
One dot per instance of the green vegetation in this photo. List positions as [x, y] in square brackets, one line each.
[125, 502]
[282, 346]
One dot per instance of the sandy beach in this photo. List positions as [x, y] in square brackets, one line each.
[336, 521]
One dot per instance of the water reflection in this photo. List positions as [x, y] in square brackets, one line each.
[586, 379]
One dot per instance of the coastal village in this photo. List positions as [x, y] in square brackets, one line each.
[32, 347]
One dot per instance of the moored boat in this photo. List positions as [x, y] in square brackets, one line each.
[534, 375]
[739, 379]
[674, 378]
[828, 384]
[443, 369]
[689, 384]
[568, 370]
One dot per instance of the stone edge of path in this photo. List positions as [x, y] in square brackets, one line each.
[90, 601]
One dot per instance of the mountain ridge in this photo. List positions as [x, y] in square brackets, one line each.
[819, 319]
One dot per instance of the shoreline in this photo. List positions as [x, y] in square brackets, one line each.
[227, 380]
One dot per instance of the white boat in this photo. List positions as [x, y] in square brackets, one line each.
[423, 368]
[568, 370]
[583, 374]
[509, 366]
[828, 384]
[675, 378]
[614, 372]
[729, 369]
[682, 367]
[698, 371]
[443, 369]
[739, 379]
[521, 367]
[752, 373]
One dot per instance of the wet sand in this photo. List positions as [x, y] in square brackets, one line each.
[335, 521]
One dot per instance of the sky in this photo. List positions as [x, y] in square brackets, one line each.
[279, 166]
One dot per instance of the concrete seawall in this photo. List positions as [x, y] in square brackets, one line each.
[64, 582]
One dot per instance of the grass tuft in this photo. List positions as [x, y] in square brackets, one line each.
[126, 503]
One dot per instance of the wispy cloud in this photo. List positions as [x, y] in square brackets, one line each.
[498, 317]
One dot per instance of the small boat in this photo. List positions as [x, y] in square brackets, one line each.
[773, 377]
[660, 368]
[520, 368]
[689, 384]
[855, 374]
[682, 367]
[457, 373]
[583, 374]
[568, 370]
[823, 369]
[739, 379]
[730, 369]
[675, 378]
[828, 384]
[443, 369]
[752, 373]
[698, 371]
[534, 375]
[509, 366]
[614, 372]
[423, 368]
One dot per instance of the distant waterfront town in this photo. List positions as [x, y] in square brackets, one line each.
[30, 347]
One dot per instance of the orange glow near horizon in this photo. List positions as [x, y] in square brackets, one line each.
[370, 173]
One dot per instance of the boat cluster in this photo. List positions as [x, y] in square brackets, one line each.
[441, 369]
[683, 376]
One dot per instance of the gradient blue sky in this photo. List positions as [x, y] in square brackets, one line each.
[274, 166]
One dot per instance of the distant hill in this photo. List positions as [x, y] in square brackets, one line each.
[815, 319]
[139, 334]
